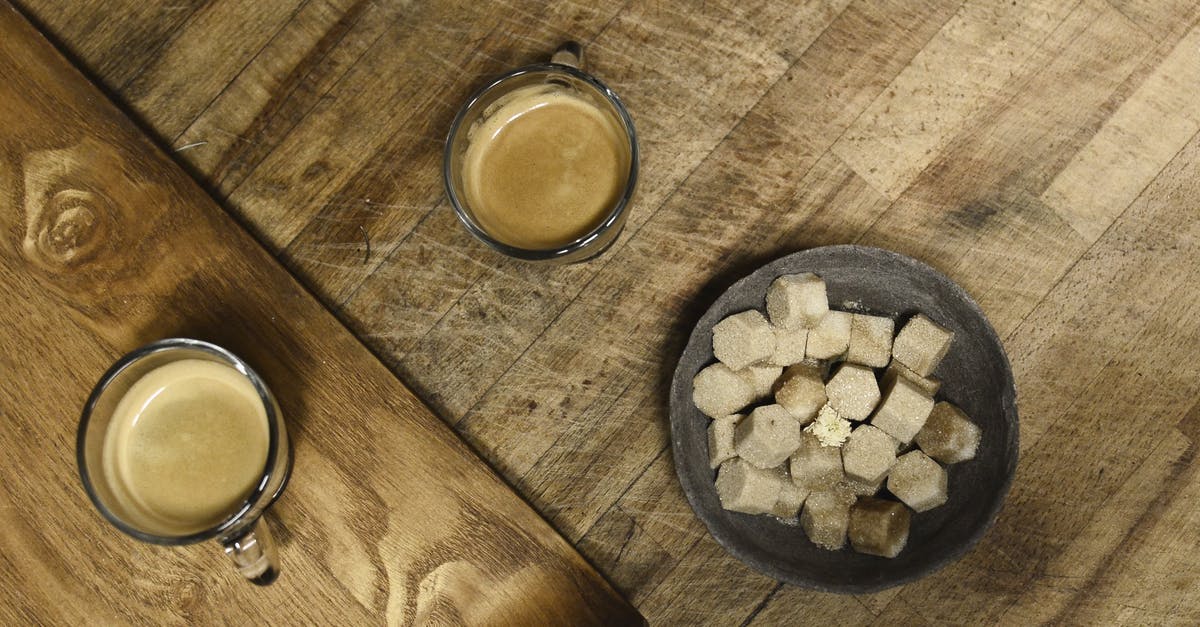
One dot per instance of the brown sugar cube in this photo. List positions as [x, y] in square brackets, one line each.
[766, 437]
[816, 467]
[718, 391]
[852, 391]
[743, 488]
[922, 344]
[743, 339]
[826, 518]
[808, 367]
[918, 481]
[720, 440]
[870, 340]
[903, 410]
[868, 454]
[878, 527]
[789, 346]
[761, 379]
[831, 337]
[797, 301]
[791, 498]
[802, 392]
[929, 385]
[948, 435]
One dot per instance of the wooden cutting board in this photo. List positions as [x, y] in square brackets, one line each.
[106, 244]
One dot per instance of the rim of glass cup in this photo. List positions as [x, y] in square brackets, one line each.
[264, 395]
[542, 254]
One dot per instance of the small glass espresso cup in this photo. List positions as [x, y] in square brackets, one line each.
[561, 73]
[247, 543]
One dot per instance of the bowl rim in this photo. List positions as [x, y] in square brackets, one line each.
[1008, 397]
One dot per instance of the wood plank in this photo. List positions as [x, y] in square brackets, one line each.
[387, 514]
[1138, 140]
[962, 70]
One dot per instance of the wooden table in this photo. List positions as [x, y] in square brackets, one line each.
[1044, 154]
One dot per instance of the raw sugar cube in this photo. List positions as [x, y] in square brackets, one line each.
[930, 385]
[826, 518]
[903, 410]
[870, 340]
[948, 435]
[742, 339]
[922, 344]
[718, 391]
[830, 428]
[720, 440]
[789, 346]
[831, 337]
[918, 481]
[802, 392]
[815, 467]
[743, 488]
[761, 379]
[868, 454]
[791, 498]
[878, 527]
[852, 391]
[766, 437]
[797, 301]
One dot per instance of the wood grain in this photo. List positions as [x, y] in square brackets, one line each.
[1043, 154]
[106, 245]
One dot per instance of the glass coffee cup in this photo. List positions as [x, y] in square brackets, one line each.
[181, 442]
[541, 164]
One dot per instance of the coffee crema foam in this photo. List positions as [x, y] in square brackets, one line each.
[544, 167]
[186, 446]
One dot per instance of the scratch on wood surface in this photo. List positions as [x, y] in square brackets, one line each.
[308, 259]
[191, 145]
[525, 12]
[367, 241]
[487, 264]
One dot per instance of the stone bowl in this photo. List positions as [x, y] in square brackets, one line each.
[975, 375]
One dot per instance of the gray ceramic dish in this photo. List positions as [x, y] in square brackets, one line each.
[975, 374]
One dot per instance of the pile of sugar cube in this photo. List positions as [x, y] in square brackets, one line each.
[820, 448]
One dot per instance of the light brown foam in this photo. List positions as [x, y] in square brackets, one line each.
[187, 444]
[545, 168]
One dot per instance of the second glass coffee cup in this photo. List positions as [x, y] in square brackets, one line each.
[541, 164]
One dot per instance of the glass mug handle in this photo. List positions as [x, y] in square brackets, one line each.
[253, 553]
[570, 53]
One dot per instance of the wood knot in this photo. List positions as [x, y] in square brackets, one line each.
[67, 230]
[86, 210]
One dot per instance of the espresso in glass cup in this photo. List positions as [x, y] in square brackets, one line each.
[182, 442]
[541, 164]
